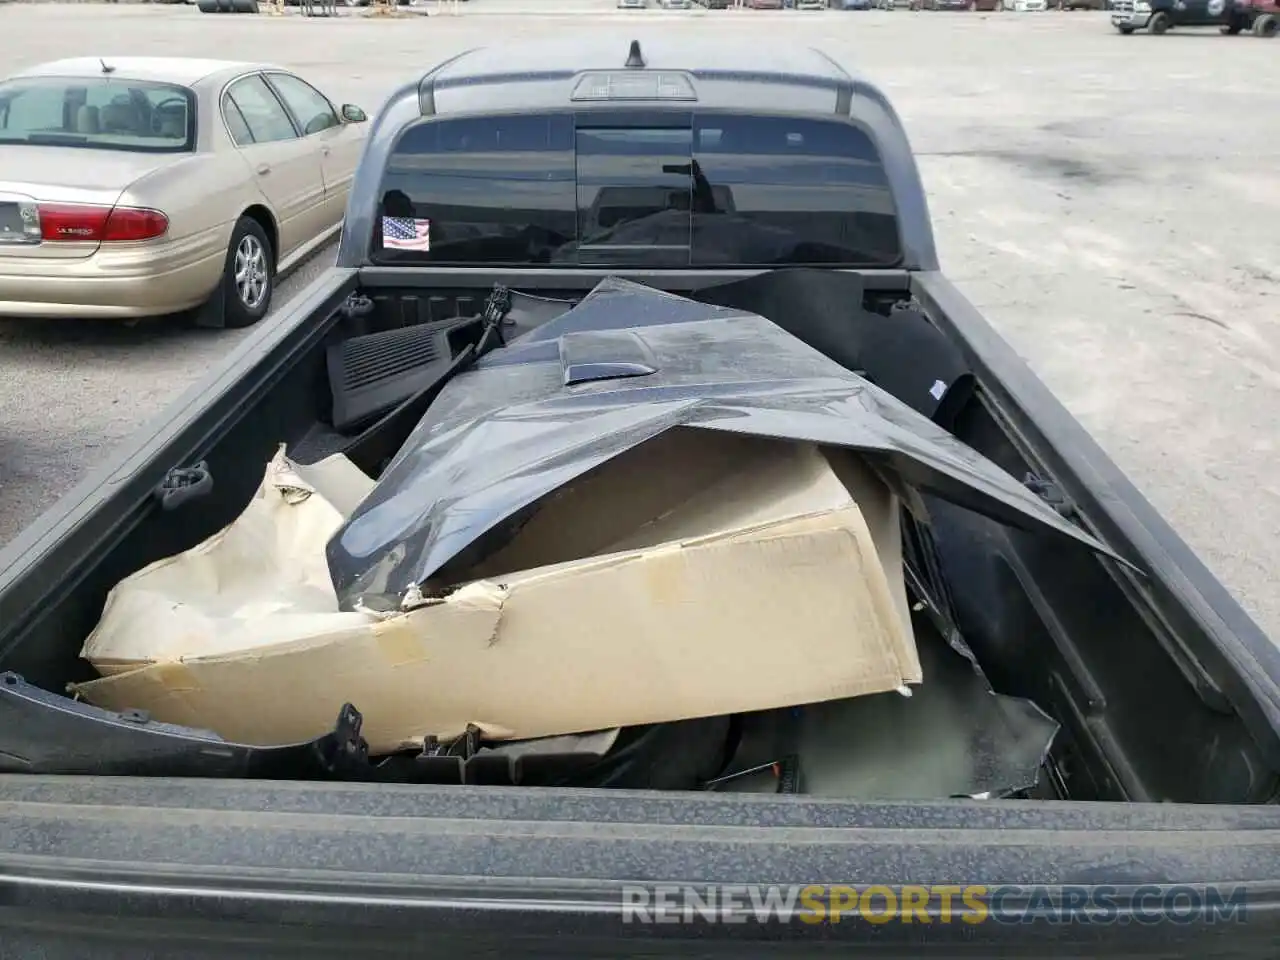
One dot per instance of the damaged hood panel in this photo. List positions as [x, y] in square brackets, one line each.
[620, 368]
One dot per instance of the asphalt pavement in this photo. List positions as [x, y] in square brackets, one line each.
[1109, 202]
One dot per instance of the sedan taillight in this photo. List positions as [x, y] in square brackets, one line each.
[80, 223]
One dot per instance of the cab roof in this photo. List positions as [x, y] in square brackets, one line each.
[725, 74]
[658, 53]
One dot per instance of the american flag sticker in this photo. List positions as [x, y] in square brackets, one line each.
[406, 233]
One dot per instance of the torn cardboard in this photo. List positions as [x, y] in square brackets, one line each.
[256, 581]
[731, 574]
[690, 483]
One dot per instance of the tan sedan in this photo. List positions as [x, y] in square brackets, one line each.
[143, 186]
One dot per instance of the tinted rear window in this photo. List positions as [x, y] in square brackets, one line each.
[494, 190]
[721, 190]
[104, 113]
[634, 197]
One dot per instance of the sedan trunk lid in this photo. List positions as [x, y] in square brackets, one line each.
[34, 175]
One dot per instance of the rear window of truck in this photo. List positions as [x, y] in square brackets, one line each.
[720, 190]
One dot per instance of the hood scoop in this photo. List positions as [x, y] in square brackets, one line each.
[605, 355]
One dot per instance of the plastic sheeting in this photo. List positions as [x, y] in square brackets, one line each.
[953, 736]
[510, 431]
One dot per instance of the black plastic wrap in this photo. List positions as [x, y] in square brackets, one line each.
[506, 433]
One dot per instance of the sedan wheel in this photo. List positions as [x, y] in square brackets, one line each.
[249, 276]
[251, 272]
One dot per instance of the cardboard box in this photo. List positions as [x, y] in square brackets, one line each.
[700, 573]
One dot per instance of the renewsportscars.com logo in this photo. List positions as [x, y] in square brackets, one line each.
[938, 903]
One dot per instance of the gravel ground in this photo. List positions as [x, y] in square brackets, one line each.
[1108, 202]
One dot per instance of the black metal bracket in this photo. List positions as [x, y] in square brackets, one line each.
[344, 753]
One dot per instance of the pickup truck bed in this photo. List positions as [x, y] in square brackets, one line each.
[1162, 781]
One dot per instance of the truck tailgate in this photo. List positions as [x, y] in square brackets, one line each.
[132, 867]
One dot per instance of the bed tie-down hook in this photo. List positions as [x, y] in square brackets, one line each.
[182, 484]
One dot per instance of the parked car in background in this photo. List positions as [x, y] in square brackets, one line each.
[1259, 17]
[1083, 4]
[1024, 6]
[764, 4]
[891, 4]
[953, 4]
[853, 4]
[144, 186]
[632, 4]
[811, 5]
[675, 4]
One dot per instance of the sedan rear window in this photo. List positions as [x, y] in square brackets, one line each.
[99, 113]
